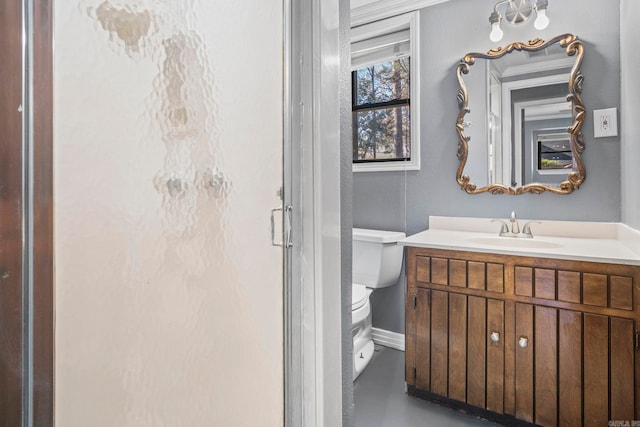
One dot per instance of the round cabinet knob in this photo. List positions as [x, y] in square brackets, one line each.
[523, 342]
[495, 337]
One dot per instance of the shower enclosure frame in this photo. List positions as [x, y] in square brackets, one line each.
[27, 39]
[314, 362]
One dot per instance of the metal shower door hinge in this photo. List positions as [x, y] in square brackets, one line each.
[286, 241]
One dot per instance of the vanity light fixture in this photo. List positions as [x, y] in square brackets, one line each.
[542, 21]
[496, 32]
[517, 12]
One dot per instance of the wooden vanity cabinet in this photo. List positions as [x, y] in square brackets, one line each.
[544, 341]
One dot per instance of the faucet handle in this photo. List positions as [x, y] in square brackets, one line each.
[504, 228]
[526, 230]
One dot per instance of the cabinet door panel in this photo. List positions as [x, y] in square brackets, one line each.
[570, 368]
[509, 358]
[524, 362]
[546, 363]
[457, 273]
[476, 364]
[495, 356]
[423, 341]
[476, 277]
[458, 347]
[439, 342]
[569, 286]
[621, 292]
[423, 269]
[440, 271]
[596, 370]
[495, 277]
[622, 375]
[524, 281]
[594, 290]
[545, 283]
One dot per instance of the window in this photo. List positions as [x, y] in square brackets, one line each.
[381, 115]
[384, 96]
[554, 151]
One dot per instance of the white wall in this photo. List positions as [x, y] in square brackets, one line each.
[629, 111]
[168, 297]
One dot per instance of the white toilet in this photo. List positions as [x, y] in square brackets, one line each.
[377, 262]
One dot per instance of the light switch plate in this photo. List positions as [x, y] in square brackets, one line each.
[605, 123]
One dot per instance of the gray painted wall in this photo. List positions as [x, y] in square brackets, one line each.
[630, 111]
[403, 201]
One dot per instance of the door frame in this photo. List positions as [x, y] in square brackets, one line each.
[316, 370]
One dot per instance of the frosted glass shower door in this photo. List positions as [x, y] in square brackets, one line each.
[168, 158]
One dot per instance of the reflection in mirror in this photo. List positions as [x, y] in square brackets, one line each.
[520, 119]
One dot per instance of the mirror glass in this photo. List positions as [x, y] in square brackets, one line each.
[520, 118]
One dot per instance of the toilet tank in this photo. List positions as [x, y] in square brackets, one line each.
[377, 257]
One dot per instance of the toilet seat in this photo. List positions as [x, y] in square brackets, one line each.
[358, 296]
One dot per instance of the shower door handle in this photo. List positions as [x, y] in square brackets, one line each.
[273, 227]
[286, 238]
[288, 211]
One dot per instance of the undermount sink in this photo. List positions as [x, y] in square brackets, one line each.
[515, 242]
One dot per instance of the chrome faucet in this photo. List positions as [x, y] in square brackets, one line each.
[514, 229]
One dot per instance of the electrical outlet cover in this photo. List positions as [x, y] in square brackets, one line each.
[605, 123]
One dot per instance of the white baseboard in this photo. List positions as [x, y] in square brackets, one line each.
[388, 338]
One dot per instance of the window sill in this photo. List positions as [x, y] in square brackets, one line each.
[386, 167]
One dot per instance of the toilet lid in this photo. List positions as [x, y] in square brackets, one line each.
[358, 296]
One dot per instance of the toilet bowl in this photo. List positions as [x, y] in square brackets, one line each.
[361, 328]
[377, 262]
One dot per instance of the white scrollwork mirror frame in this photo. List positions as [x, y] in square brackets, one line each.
[577, 176]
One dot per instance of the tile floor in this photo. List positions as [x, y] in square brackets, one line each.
[381, 401]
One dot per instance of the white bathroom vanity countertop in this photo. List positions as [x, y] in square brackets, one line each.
[605, 242]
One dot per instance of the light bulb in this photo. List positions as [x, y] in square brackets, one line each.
[496, 33]
[542, 21]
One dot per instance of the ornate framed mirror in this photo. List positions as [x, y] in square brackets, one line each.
[520, 118]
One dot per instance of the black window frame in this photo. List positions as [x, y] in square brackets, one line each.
[356, 108]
